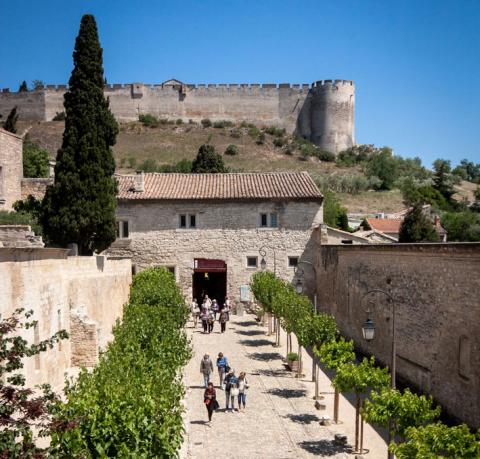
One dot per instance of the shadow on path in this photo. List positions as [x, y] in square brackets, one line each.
[303, 418]
[256, 342]
[264, 356]
[288, 393]
[250, 332]
[246, 323]
[323, 448]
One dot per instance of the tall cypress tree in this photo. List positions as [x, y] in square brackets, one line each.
[80, 206]
[10, 124]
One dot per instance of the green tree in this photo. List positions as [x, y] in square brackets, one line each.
[417, 227]
[436, 441]
[334, 354]
[442, 180]
[23, 87]
[334, 214]
[384, 166]
[80, 206]
[397, 411]
[208, 161]
[35, 160]
[10, 124]
[462, 226]
[359, 380]
[37, 84]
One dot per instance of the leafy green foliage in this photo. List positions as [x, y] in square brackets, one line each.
[399, 410]
[208, 161]
[356, 154]
[20, 218]
[292, 356]
[467, 170]
[131, 404]
[275, 131]
[279, 142]
[347, 183]
[149, 120]
[23, 87]
[80, 206]
[231, 150]
[260, 138]
[383, 166]
[10, 123]
[59, 116]
[335, 353]
[334, 214]
[25, 412]
[220, 124]
[206, 122]
[35, 160]
[184, 166]
[417, 227]
[414, 193]
[436, 441]
[462, 226]
[442, 180]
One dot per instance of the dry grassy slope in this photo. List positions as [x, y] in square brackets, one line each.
[169, 144]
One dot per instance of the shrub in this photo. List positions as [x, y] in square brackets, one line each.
[326, 156]
[208, 161]
[206, 122]
[279, 141]
[149, 165]
[59, 116]
[253, 132]
[289, 150]
[275, 131]
[292, 356]
[235, 133]
[35, 161]
[383, 166]
[222, 124]
[231, 150]
[244, 124]
[132, 161]
[149, 120]
[179, 121]
[261, 138]
[130, 405]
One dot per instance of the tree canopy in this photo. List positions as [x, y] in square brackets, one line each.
[208, 161]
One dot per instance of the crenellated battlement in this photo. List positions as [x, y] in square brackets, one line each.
[321, 111]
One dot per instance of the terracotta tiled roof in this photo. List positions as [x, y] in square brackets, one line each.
[384, 225]
[245, 186]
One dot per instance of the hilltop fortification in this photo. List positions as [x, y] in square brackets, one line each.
[322, 112]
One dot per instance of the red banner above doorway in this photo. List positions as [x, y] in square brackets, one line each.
[204, 265]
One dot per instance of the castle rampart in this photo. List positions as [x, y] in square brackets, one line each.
[322, 112]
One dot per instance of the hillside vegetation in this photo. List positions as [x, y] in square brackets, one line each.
[156, 143]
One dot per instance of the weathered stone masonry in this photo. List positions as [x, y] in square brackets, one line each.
[322, 112]
[436, 287]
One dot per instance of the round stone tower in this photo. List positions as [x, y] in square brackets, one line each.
[332, 115]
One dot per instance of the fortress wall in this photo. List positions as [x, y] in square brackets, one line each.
[30, 105]
[54, 102]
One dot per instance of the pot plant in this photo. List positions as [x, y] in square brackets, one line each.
[293, 361]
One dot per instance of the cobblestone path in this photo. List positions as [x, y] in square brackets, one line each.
[280, 420]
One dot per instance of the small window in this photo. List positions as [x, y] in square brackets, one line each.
[273, 220]
[187, 221]
[263, 220]
[183, 221]
[292, 262]
[193, 221]
[122, 229]
[252, 262]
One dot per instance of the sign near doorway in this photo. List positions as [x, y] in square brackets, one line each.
[244, 293]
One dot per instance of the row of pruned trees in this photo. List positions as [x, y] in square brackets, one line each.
[411, 419]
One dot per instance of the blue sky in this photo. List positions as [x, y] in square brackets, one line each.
[416, 64]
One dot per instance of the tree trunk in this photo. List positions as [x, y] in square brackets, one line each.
[279, 330]
[314, 370]
[269, 322]
[357, 422]
[317, 372]
[336, 403]
[299, 374]
[361, 429]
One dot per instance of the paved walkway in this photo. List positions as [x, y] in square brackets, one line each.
[280, 421]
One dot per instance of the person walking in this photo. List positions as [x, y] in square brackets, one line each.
[207, 301]
[226, 307]
[242, 385]
[210, 400]
[223, 319]
[215, 308]
[223, 368]
[210, 321]
[206, 368]
[231, 390]
[204, 319]
[195, 310]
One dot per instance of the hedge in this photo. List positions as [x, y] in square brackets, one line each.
[130, 405]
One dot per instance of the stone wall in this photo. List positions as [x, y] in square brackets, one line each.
[35, 187]
[225, 230]
[436, 289]
[83, 295]
[322, 112]
[11, 169]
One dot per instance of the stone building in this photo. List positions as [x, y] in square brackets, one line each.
[214, 230]
[11, 169]
[435, 288]
[322, 112]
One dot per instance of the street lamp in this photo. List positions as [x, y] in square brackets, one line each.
[263, 262]
[368, 330]
[299, 286]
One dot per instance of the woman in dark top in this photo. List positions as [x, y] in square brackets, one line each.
[210, 400]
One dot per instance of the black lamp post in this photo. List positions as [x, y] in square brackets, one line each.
[263, 262]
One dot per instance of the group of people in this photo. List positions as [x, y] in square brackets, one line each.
[235, 387]
[208, 311]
